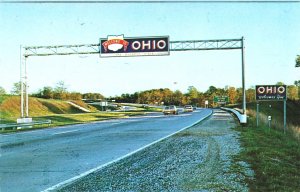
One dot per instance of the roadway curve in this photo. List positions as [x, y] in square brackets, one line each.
[37, 160]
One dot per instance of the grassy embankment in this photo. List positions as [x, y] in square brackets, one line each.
[273, 155]
[59, 112]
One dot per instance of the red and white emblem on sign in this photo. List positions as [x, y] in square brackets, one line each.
[115, 43]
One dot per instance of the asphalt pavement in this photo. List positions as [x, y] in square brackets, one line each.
[37, 160]
[200, 158]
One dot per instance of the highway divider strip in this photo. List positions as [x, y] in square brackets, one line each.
[76, 178]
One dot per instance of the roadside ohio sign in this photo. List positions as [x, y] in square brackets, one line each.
[270, 92]
[119, 46]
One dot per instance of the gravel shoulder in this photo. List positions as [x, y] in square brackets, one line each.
[200, 158]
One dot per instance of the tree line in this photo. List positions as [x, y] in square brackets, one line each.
[163, 96]
[59, 92]
[157, 96]
[197, 98]
[191, 97]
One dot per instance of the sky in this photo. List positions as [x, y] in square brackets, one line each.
[271, 32]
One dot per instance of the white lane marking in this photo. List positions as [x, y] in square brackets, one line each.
[197, 111]
[220, 115]
[64, 132]
[116, 123]
[185, 114]
[72, 180]
[145, 116]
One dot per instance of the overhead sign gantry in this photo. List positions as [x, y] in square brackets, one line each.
[134, 47]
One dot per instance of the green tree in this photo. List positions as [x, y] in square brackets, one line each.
[298, 61]
[211, 90]
[193, 95]
[239, 95]
[192, 92]
[168, 96]
[60, 87]
[250, 95]
[297, 83]
[16, 90]
[2, 91]
[232, 94]
[75, 96]
[156, 97]
[200, 100]
[92, 96]
[47, 93]
[292, 92]
[60, 91]
[178, 98]
[143, 97]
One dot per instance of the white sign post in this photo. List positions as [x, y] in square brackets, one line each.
[269, 120]
[206, 104]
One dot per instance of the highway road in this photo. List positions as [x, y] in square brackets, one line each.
[37, 160]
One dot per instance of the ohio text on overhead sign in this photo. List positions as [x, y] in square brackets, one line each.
[270, 92]
[118, 46]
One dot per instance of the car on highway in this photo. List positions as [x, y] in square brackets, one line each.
[168, 110]
[188, 108]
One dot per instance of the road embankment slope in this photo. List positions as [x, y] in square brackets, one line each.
[198, 158]
[10, 107]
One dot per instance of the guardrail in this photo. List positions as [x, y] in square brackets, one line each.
[242, 117]
[17, 125]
